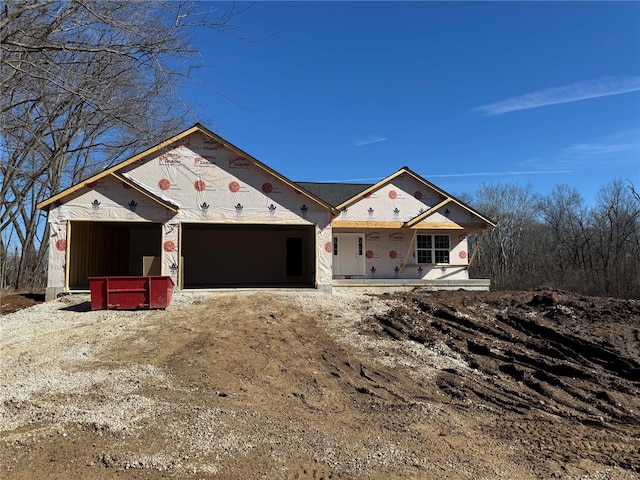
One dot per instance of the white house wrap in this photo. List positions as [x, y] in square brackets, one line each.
[204, 212]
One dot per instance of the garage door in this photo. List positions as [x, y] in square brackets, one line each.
[248, 255]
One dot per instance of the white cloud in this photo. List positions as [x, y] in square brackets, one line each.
[623, 145]
[368, 140]
[566, 94]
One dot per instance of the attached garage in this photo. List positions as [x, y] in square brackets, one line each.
[112, 249]
[217, 255]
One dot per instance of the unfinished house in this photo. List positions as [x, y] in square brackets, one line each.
[203, 212]
[402, 231]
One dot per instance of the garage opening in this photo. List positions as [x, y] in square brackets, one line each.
[113, 248]
[217, 256]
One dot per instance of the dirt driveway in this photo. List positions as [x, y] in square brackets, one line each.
[303, 385]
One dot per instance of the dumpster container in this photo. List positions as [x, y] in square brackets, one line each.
[130, 293]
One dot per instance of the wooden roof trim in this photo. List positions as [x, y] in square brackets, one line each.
[408, 171]
[371, 189]
[450, 226]
[362, 225]
[429, 212]
[196, 128]
[453, 199]
[165, 203]
[365, 224]
[268, 169]
[43, 205]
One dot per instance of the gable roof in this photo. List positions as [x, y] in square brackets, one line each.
[46, 204]
[447, 198]
[334, 193]
[166, 203]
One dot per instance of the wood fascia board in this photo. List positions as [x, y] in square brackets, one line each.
[429, 212]
[165, 203]
[259, 164]
[365, 225]
[43, 205]
[451, 197]
[439, 226]
[400, 225]
[470, 227]
[372, 188]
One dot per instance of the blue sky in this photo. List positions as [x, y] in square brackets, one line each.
[460, 92]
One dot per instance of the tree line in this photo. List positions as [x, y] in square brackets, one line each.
[558, 241]
[85, 83]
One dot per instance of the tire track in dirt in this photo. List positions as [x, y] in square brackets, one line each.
[536, 357]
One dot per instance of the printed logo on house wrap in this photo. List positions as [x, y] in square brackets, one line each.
[393, 194]
[199, 185]
[204, 161]
[91, 185]
[369, 254]
[234, 187]
[463, 254]
[393, 254]
[170, 159]
[372, 236]
[267, 188]
[238, 162]
[328, 247]
[169, 246]
[61, 245]
[417, 195]
[212, 145]
[164, 184]
[396, 237]
[126, 186]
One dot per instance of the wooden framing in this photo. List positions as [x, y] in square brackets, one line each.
[475, 250]
[364, 225]
[45, 205]
[429, 212]
[67, 258]
[406, 257]
[447, 198]
[166, 204]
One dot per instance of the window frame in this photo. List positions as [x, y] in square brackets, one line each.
[427, 245]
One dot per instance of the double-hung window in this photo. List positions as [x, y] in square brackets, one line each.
[432, 248]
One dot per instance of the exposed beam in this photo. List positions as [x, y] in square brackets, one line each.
[429, 212]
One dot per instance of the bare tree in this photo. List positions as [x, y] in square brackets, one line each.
[558, 241]
[615, 221]
[84, 83]
[569, 238]
[503, 254]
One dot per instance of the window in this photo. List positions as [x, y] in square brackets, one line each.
[432, 248]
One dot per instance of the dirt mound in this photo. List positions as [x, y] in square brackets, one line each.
[12, 302]
[542, 361]
[301, 385]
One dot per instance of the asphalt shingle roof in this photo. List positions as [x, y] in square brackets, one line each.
[334, 193]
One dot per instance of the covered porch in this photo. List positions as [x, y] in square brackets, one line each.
[387, 285]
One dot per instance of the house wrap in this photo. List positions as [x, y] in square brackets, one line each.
[209, 215]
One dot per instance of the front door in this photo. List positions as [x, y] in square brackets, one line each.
[348, 258]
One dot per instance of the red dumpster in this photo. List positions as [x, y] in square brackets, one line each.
[130, 293]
